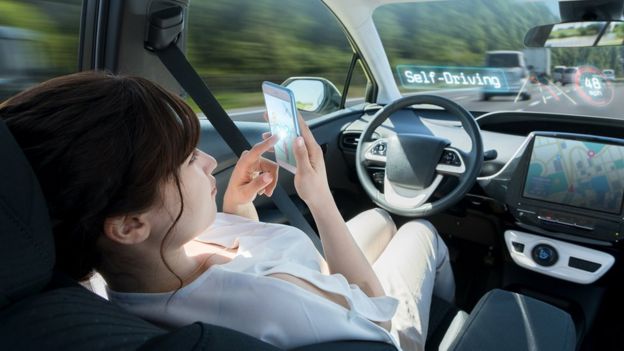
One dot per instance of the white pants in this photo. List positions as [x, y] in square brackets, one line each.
[412, 264]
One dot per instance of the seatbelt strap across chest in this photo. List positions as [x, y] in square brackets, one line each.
[177, 64]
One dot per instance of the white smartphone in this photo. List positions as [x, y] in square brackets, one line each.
[282, 111]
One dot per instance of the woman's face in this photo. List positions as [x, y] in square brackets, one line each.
[199, 190]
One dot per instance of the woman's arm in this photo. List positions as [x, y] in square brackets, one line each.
[342, 253]
[247, 210]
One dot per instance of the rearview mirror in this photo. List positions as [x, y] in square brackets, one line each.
[576, 34]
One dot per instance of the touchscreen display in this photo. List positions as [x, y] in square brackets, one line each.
[576, 173]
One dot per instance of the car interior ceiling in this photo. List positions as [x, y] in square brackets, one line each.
[40, 307]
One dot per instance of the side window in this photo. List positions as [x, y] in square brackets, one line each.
[235, 45]
[38, 41]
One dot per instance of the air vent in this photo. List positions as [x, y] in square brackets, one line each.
[349, 140]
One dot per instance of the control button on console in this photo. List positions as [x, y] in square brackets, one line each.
[518, 247]
[583, 264]
[545, 255]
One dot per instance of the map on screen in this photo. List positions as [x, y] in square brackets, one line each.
[576, 173]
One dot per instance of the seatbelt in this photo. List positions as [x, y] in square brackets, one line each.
[177, 64]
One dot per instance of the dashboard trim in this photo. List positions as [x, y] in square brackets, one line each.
[566, 251]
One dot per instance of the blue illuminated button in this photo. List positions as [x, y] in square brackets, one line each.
[544, 255]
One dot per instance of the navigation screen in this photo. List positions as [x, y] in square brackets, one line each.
[576, 173]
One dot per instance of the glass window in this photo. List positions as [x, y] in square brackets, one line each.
[235, 45]
[478, 58]
[38, 41]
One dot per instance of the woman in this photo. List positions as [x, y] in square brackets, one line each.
[131, 197]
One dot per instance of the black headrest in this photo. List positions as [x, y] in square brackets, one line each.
[26, 242]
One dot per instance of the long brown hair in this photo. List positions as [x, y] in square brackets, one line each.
[101, 145]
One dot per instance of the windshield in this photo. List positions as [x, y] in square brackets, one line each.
[478, 59]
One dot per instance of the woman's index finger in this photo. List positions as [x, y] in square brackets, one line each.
[263, 146]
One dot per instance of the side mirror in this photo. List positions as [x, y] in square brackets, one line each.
[314, 94]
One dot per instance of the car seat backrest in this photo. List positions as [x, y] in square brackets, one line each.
[27, 248]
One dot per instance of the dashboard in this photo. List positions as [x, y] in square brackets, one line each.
[558, 175]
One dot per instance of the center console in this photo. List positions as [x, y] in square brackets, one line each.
[565, 192]
[571, 186]
[563, 218]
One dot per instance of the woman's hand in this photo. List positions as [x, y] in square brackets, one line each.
[311, 177]
[253, 175]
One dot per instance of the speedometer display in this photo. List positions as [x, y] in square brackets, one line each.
[593, 87]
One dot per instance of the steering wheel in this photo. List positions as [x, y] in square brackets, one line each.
[416, 164]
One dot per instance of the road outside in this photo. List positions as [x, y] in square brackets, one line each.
[551, 98]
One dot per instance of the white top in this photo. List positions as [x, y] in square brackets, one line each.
[241, 295]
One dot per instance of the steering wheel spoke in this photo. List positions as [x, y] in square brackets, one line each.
[375, 151]
[452, 162]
